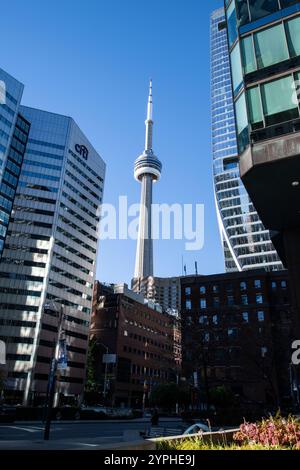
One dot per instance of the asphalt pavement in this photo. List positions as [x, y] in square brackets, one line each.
[69, 434]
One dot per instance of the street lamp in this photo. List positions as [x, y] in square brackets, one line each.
[53, 368]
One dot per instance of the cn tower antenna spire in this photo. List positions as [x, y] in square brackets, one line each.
[150, 103]
[149, 121]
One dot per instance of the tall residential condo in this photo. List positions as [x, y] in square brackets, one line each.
[264, 47]
[49, 257]
[246, 242]
[13, 137]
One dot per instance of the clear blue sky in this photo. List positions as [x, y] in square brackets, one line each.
[92, 60]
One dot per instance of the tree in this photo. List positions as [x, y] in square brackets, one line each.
[92, 394]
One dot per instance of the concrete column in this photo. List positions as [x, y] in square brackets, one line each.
[144, 253]
[292, 253]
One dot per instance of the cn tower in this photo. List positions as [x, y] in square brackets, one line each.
[147, 170]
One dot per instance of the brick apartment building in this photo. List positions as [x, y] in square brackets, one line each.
[237, 331]
[143, 341]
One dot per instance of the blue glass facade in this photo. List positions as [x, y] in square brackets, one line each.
[13, 138]
[246, 242]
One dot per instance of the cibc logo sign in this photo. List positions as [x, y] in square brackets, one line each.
[82, 150]
[2, 353]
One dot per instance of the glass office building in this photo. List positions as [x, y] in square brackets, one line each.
[246, 242]
[14, 131]
[49, 256]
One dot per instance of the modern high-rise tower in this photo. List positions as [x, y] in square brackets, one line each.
[147, 169]
[247, 244]
[49, 257]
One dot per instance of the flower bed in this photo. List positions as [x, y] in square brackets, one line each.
[269, 434]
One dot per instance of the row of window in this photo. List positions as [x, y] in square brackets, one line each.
[80, 230]
[81, 207]
[268, 104]
[77, 216]
[67, 303]
[244, 285]
[75, 252]
[148, 341]
[252, 10]
[76, 240]
[244, 317]
[259, 299]
[86, 166]
[147, 371]
[144, 354]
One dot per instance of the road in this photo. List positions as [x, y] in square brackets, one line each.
[87, 433]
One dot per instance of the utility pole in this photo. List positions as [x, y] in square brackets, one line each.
[52, 375]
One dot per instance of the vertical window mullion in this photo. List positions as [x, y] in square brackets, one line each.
[261, 103]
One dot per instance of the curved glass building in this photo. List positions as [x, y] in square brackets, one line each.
[247, 244]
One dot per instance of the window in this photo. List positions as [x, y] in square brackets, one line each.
[206, 337]
[215, 319]
[216, 301]
[244, 299]
[255, 108]
[261, 8]
[215, 289]
[236, 68]
[203, 320]
[230, 164]
[264, 351]
[243, 286]
[257, 284]
[188, 305]
[232, 333]
[242, 122]
[202, 290]
[261, 316]
[231, 24]
[245, 316]
[248, 56]
[202, 303]
[187, 291]
[286, 3]
[230, 300]
[242, 12]
[283, 284]
[270, 46]
[274, 285]
[278, 102]
[293, 36]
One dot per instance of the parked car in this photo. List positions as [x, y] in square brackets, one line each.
[7, 414]
[94, 412]
[197, 428]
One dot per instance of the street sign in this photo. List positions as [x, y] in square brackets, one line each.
[62, 362]
[109, 358]
[2, 353]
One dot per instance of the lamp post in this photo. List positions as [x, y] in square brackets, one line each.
[53, 370]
